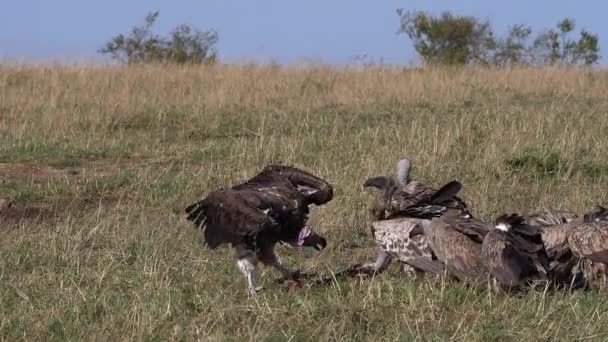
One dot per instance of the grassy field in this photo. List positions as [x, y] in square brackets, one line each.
[100, 163]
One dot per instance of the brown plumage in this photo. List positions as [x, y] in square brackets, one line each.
[399, 193]
[456, 241]
[565, 267]
[393, 238]
[395, 241]
[253, 216]
[548, 217]
[596, 214]
[514, 253]
[562, 262]
[590, 241]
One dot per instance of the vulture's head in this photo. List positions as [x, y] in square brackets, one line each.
[380, 183]
[596, 214]
[387, 186]
[309, 238]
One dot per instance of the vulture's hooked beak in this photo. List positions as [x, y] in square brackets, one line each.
[315, 241]
[309, 238]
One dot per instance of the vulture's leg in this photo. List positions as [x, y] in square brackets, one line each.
[410, 270]
[268, 257]
[382, 261]
[246, 262]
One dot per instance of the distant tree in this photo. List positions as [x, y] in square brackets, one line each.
[183, 45]
[514, 48]
[447, 39]
[458, 40]
[555, 47]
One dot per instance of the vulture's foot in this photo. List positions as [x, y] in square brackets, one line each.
[253, 291]
[295, 276]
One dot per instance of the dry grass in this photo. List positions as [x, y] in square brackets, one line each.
[128, 149]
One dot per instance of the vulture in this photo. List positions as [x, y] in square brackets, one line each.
[596, 214]
[393, 235]
[514, 253]
[589, 241]
[400, 192]
[270, 208]
[394, 242]
[455, 239]
[548, 217]
[565, 268]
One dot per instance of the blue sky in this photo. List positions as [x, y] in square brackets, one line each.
[333, 31]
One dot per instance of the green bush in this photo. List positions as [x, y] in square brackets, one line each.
[183, 45]
[457, 40]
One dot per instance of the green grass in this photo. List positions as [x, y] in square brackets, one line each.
[114, 156]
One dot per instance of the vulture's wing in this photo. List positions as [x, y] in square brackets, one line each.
[409, 196]
[493, 252]
[472, 228]
[230, 216]
[519, 265]
[590, 241]
[429, 205]
[547, 217]
[426, 264]
[596, 214]
[555, 239]
[460, 254]
[315, 189]
[530, 265]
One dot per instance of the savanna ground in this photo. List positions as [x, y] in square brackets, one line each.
[100, 163]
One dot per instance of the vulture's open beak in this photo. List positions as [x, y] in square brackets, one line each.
[315, 241]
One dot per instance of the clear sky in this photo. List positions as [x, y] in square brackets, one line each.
[285, 31]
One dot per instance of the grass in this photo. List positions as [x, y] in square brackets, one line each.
[115, 154]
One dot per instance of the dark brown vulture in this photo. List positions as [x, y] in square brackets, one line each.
[553, 225]
[271, 207]
[394, 240]
[455, 238]
[514, 253]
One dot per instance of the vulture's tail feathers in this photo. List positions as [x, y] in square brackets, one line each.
[446, 192]
[196, 213]
[427, 265]
[424, 211]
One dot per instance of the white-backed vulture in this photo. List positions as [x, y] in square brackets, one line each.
[399, 193]
[394, 240]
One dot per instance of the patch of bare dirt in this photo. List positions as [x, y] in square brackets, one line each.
[21, 171]
[50, 212]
